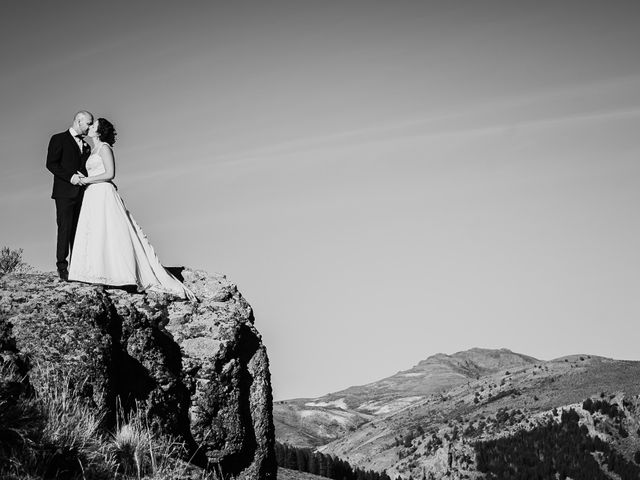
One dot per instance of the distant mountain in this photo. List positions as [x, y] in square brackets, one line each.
[311, 422]
[427, 418]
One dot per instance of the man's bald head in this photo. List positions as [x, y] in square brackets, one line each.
[82, 121]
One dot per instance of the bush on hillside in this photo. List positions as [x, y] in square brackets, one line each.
[11, 261]
[604, 407]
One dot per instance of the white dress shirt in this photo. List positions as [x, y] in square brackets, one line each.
[79, 141]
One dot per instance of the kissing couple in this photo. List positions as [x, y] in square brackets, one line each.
[106, 244]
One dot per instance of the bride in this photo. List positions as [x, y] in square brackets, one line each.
[109, 247]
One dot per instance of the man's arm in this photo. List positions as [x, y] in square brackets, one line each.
[54, 160]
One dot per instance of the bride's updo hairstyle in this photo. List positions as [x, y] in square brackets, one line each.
[106, 131]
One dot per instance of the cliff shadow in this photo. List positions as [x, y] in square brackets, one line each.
[236, 463]
[147, 370]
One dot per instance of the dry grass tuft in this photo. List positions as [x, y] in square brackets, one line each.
[20, 418]
[140, 453]
[70, 422]
[57, 435]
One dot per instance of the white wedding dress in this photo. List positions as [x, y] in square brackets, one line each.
[110, 248]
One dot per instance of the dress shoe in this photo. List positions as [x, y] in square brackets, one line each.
[64, 275]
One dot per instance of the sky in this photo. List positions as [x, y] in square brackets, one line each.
[383, 181]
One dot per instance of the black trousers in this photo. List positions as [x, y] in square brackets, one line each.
[67, 212]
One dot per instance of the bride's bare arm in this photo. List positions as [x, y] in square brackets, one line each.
[109, 167]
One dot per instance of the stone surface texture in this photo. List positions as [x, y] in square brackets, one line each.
[198, 369]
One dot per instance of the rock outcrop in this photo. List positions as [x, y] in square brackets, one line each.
[199, 370]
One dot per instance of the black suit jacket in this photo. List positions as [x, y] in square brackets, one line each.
[64, 159]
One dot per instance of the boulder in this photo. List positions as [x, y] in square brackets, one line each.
[199, 370]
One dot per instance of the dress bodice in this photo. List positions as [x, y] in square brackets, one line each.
[94, 165]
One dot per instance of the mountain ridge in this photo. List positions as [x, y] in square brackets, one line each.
[431, 375]
[373, 426]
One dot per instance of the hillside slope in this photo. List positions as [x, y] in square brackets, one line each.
[314, 422]
[427, 419]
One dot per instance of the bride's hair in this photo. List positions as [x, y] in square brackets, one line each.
[106, 131]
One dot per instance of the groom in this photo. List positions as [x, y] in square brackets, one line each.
[66, 156]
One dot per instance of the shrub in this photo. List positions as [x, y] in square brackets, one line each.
[11, 261]
[604, 407]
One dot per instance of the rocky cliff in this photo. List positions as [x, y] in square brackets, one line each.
[199, 371]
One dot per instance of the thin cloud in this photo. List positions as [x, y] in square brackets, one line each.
[526, 110]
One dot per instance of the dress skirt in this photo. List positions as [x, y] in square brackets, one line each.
[111, 249]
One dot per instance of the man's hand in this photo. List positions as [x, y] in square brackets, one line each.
[77, 179]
